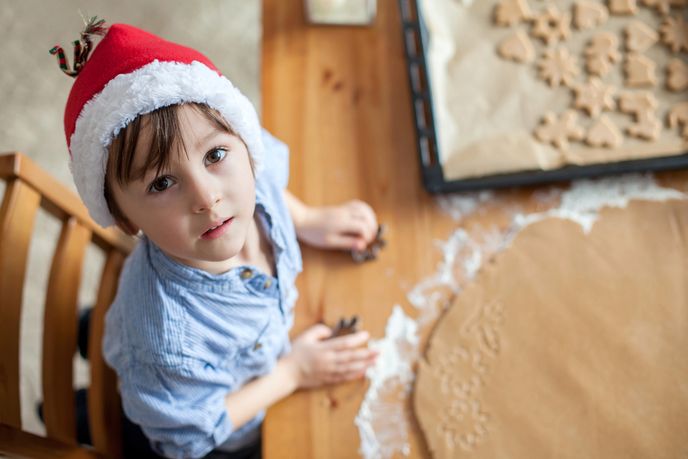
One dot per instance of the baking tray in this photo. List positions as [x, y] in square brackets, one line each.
[416, 41]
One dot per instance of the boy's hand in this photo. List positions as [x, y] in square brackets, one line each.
[316, 361]
[349, 226]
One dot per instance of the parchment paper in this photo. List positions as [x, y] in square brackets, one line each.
[486, 108]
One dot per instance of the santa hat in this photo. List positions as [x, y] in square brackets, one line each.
[130, 73]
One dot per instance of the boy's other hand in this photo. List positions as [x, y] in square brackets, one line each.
[316, 360]
[349, 226]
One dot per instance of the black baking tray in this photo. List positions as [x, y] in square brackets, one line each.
[416, 41]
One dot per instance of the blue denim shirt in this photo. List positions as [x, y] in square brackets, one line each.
[180, 338]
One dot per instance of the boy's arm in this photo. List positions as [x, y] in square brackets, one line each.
[313, 361]
[245, 403]
[349, 226]
[297, 209]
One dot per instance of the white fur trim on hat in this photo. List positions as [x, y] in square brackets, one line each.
[144, 90]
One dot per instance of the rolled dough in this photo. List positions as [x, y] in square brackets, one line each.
[567, 345]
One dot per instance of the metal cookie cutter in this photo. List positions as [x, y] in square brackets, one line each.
[345, 327]
[370, 253]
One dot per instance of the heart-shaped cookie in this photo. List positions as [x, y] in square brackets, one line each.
[517, 47]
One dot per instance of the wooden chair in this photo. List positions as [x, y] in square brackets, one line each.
[29, 187]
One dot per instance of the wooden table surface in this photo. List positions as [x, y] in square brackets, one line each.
[339, 97]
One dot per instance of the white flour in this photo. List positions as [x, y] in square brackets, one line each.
[384, 415]
[583, 201]
[382, 420]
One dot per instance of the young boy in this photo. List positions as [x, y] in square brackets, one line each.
[164, 146]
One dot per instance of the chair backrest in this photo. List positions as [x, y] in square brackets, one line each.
[28, 188]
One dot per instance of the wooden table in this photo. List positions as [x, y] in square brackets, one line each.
[339, 97]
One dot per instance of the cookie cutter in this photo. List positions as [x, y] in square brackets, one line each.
[373, 249]
[345, 327]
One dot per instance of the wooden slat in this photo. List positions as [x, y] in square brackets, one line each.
[17, 216]
[103, 399]
[60, 331]
[16, 443]
[60, 201]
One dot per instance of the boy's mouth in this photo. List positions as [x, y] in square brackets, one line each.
[217, 229]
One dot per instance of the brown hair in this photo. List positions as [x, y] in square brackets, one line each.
[164, 126]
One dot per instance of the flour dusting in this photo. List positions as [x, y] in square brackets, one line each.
[584, 200]
[382, 420]
[459, 205]
[384, 416]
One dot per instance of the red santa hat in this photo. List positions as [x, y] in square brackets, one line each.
[130, 73]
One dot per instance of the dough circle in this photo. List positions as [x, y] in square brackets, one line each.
[567, 344]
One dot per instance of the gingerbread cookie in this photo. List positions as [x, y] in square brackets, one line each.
[604, 133]
[642, 106]
[623, 7]
[558, 66]
[678, 116]
[601, 53]
[594, 97]
[551, 25]
[588, 14]
[675, 33]
[517, 47]
[637, 104]
[639, 36]
[677, 75]
[510, 12]
[559, 130]
[640, 71]
[646, 127]
[663, 6]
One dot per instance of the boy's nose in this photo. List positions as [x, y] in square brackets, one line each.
[204, 196]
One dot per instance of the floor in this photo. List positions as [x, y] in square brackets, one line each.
[34, 92]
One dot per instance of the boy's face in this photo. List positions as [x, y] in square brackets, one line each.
[197, 211]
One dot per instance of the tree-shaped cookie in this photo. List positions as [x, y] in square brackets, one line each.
[604, 133]
[559, 130]
[510, 12]
[639, 36]
[594, 96]
[558, 66]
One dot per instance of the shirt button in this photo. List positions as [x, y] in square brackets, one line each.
[257, 346]
[267, 283]
[246, 273]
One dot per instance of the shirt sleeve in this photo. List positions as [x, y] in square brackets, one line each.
[183, 415]
[276, 159]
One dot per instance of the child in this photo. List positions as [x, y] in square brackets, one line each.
[164, 146]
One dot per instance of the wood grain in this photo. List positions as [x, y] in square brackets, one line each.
[17, 215]
[339, 97]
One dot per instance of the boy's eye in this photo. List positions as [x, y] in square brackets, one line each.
[160, 184]
[215, 155]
